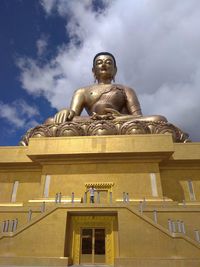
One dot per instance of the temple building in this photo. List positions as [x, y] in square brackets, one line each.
[115, 188]
[146, 210]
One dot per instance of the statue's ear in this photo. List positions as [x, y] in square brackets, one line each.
[95, 79]
[93, 70]
[115, 70]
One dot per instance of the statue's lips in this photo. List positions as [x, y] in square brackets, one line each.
[104, 70]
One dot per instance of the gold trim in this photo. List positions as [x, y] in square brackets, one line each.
[52, 200]
[10, 204]
[146, 200]
[100, 185]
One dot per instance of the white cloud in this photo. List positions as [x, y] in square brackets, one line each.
[19, 114]
[48, 5]
[42, 44]
[156, 44]
[180, 101]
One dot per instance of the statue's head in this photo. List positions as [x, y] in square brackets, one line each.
[104, 54]
[104, 66]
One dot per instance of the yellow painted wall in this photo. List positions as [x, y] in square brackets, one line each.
[175, 182]
[133, 178]
[46, 238]
[139, 239]
[29, 185]
[189, 215]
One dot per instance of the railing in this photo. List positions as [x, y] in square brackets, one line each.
[173, 225]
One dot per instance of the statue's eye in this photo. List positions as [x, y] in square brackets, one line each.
[98, 62]
[109, 62]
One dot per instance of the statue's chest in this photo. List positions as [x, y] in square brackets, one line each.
[111, 95]
[95, 93]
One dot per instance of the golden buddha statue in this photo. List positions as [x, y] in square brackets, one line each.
[105, 97]
[113, 109]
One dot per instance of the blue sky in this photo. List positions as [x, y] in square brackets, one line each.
[47, 47]
[22, 23]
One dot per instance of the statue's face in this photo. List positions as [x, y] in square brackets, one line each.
[104, 67]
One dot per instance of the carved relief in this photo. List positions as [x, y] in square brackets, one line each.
[69, 129]
[101, 127]
[105, 126]
[134, 127]
[100, 185]
[162, 128]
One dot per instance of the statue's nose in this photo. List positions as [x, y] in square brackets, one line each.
[103, 66]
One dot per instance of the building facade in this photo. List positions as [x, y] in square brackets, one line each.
[146, 210]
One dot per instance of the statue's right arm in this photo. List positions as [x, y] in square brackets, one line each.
[76, 107]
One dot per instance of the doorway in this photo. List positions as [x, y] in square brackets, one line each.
[92, 245]
[92, 238]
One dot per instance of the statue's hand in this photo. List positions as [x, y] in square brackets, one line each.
[96, 116]
[64, 115]
[112, 111]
